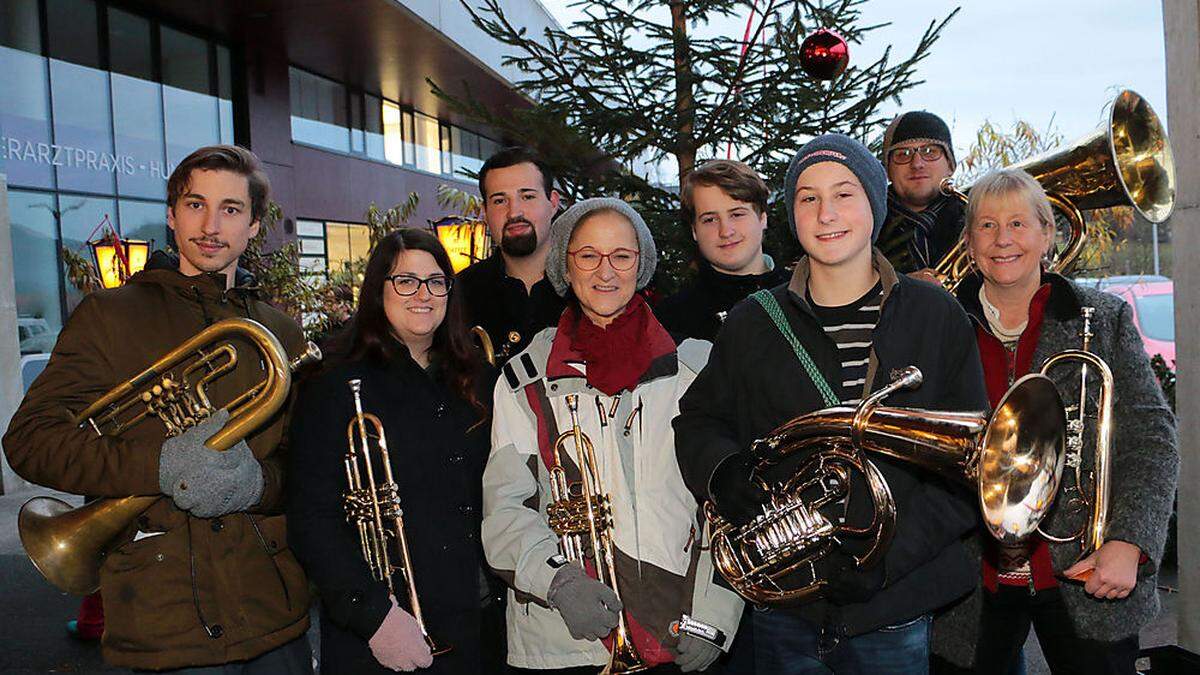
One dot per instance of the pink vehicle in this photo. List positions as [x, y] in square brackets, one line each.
[1153, 303]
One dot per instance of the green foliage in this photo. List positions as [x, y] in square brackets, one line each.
[640, 83]
[381, 221]
[1166, 378]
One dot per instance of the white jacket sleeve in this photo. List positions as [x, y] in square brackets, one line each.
[712, 603]
[517, 540]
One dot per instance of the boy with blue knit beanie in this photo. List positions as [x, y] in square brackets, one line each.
[839, 329]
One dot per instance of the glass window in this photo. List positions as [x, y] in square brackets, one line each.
[80, 218]
[1156, 315]
[318, 111]
[311, 234]
[20, 27]
[82, 128]
[25, 119]
[35, 245]
[146, 221]
[466, 153]
[225, 93]
[373, 124]
[129, 47]
[185, 62]
[310, 228]
[356, 123]
[393, 133]
[427, 140]
[191, 116]
[73, 35]
[139, 138]
[345, 243]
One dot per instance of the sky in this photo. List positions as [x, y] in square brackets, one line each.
[1048, 62]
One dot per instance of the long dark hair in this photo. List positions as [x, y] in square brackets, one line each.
[368, 336]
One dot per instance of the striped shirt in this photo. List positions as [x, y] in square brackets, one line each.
[850, 327]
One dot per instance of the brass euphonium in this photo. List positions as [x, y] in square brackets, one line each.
[583, 521]
[1091, 535]
[68, 545]
[1012, 459]
[1127, 161]
[373, 506]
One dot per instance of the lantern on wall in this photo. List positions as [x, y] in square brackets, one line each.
[118, 259]
[466, 240]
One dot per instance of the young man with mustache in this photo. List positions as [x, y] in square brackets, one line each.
[507, 293]
[922, 223]
[725, 203]
[205, 578]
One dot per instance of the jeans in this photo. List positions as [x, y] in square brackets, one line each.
[788, 645]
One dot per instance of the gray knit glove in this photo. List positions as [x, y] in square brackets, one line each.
[204, 482]
[695, 654]
[588, 607]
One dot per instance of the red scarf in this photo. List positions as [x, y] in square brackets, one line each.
[616, 355]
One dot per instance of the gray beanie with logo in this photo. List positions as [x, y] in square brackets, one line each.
[564, 226]
[851, 154]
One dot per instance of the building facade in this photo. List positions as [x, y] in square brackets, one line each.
[100, 99]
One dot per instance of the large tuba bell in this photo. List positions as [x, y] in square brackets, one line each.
[1013, 460]
[373, 506]
[1075, 496]
[582, 519]
[1127, 161]
[68, 545]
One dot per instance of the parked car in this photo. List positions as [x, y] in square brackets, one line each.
[1153, 305]
[35, 335]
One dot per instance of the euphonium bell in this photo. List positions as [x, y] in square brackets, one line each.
[1012, 459]
[1127, 161]
[68, 545]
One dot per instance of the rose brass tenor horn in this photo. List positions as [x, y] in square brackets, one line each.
[1091, 535]
[68, 545]
[1125, 162]
[1012, 459]
[373, 506]
[583, 521]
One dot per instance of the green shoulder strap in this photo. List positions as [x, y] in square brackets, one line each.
[771, 306]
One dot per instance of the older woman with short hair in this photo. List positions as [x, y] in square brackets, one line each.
[1023, 315]
[610, 366]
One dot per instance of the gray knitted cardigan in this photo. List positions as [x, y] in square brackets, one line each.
[1145, 467]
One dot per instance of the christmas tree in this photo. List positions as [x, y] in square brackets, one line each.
[634, 84]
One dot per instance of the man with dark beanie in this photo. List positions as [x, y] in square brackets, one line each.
[841, 327]
[922, 223]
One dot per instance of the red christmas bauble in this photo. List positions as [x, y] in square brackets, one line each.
[824, 54]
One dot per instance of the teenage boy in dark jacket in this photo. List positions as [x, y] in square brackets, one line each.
[860, 322]
[725, 203]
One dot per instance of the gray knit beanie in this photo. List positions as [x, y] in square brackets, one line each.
[564, 226]
[919, 125]
[851, 154]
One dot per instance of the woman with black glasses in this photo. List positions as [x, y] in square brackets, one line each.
[421, 375]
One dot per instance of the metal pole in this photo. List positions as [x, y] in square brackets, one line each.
[1154, 236]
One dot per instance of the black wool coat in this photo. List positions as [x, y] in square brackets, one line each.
[698, 309]
[438, 447]
[753, 383]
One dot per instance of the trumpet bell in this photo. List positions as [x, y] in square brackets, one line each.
[1021, 458]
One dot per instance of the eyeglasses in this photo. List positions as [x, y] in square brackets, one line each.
[929, 153]
[407, 284]
[588, 258]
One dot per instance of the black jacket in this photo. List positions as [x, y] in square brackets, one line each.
[699, 308]
[899, 242]
[437, 455]
[500, 303]
[753, 383]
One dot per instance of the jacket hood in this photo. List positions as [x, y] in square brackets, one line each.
[163, 268]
